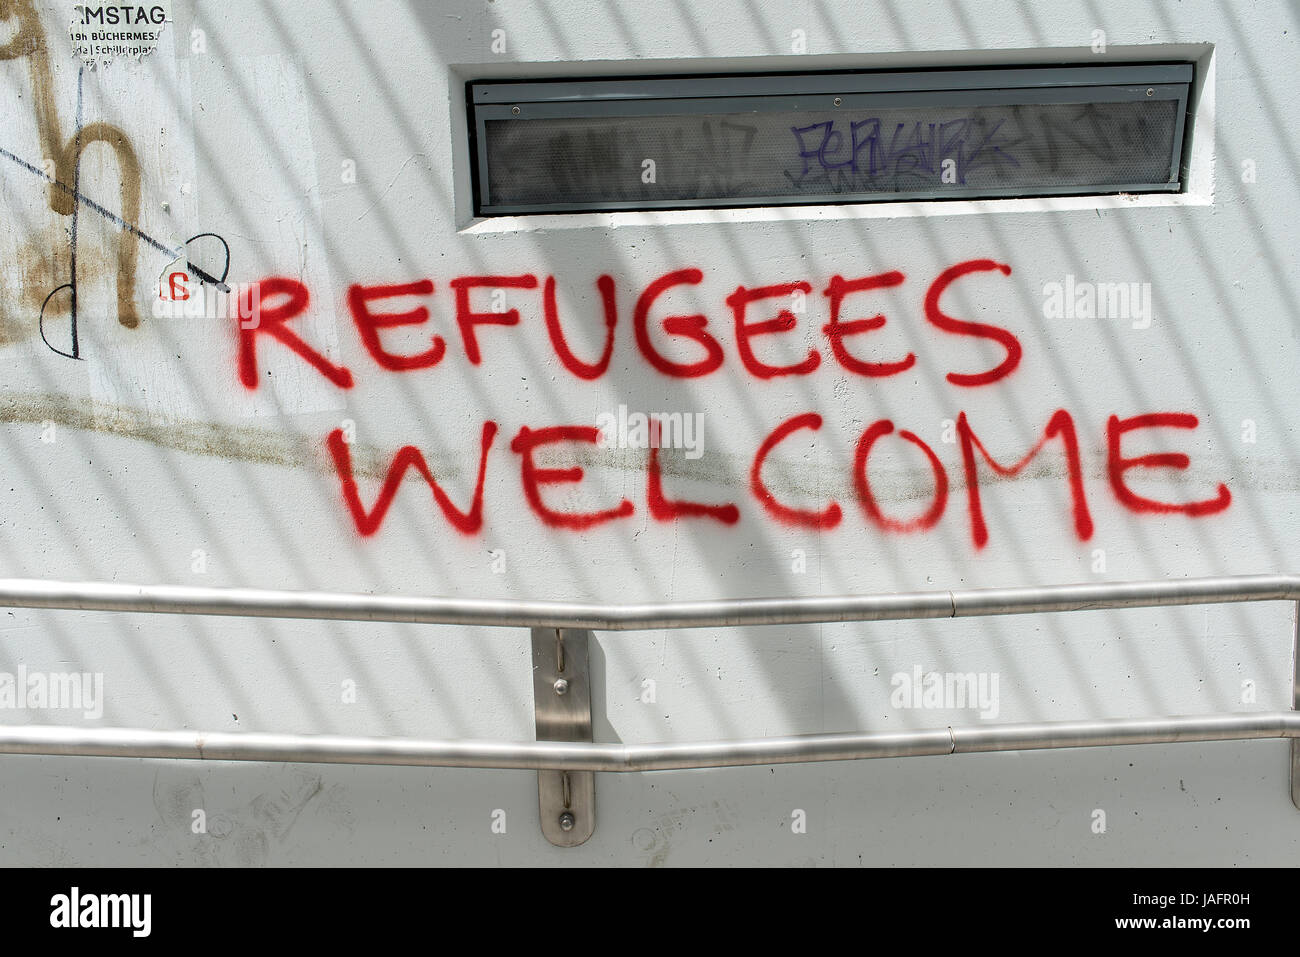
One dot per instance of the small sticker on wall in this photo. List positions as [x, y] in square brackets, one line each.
[102, 32]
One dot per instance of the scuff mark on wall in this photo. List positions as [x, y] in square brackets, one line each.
[244, 834]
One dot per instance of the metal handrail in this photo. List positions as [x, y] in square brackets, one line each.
[733, 612]
[562, 756]
[565, 756]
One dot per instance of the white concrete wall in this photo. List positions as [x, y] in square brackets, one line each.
[249, 121]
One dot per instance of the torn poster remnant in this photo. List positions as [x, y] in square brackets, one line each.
[100, 31]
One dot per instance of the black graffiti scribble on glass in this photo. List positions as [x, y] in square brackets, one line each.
[1060, 143]
[871, 154]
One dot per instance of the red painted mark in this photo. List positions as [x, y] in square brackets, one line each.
[178, 279]
[962, 327]
[784, 322]
[828, 517]
[667, 510]
[408, 456]
[868, 499]
[1118, 464]
[692, 327]
[1060, 424]
[271, 322]
[467, 318]
[583, 370]
[369, 323]
[533, 477]
[836, 330]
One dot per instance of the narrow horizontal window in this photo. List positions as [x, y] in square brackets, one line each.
[554, 146]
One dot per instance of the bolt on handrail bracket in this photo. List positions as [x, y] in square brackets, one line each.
[562, 708]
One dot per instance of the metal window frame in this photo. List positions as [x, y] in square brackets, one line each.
[512, 100]
[552, 624]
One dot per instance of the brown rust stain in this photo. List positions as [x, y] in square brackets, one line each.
[29, 42]
[231, 442]
[39, 259]
[813, 483]
[830, 478]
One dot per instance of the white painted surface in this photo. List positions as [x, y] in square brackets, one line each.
[161, 452]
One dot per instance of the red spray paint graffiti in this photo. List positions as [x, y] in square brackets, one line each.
[283, 300]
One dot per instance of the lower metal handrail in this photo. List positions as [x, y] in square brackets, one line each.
[562, 756]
